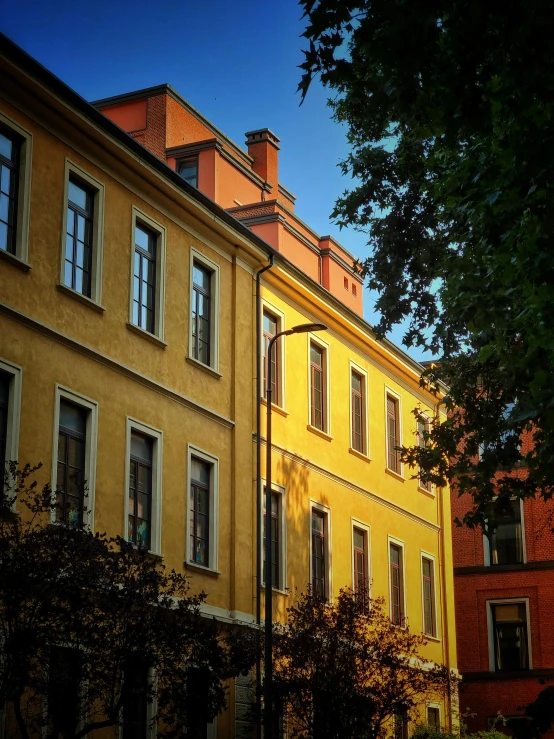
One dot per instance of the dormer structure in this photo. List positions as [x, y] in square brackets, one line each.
[245, 183]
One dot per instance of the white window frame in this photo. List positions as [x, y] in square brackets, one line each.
[357, 524]
[486, 544]
[91, 444]
[490, 633]
[427, 555]
[398, 398]
[14, 410]
[281, 491]
[400, 543]
[281, 348]
[315, 339]
[213, 461]
[151, 711]
[97, 231]
[159, 303]
[329, 549]
[24, 190]
[132, 424]
[433, 704]
[204, 261]
[353, 367]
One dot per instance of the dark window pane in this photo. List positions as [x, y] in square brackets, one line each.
[188, 169]
[141, 447]
[510, 635]
[507, 538]
[5, 381]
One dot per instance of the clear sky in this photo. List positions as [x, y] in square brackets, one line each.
[235, 61]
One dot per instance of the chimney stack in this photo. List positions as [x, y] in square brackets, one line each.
[263, 148]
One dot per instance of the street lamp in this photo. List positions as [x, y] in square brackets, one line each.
[268, 667]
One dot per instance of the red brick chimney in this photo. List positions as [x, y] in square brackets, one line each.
[263, 148]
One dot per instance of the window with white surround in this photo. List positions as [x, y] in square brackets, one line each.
[320, 550]
[10, 414]
[318, 366]
[423, 428]
[393, 431]
[359, 430]
[507, 542]
[82, 233]
[509, 635]
[360, 559]
[397, 582]
[16, 147]
[434, 715]
[204, 310]
[278, 538]
[148, 274]
[143, 498]
[428, 594]
[202, 508]
[74, 457]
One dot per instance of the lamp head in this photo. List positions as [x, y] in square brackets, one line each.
[305, 327]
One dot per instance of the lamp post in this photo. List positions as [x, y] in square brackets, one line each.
[268, 652]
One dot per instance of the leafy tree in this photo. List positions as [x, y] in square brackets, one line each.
[449, 111]
[96, 633]
[344, 670]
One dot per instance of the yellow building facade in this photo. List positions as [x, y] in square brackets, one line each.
[106, 269]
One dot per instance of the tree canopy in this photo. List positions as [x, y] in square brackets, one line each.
[449, 108]
[344, 670]
[96, 633]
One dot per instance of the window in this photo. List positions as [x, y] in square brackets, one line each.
[396, 564]
[354, 290]
[357, 388]
[82, 235]
[320, 554]
[201, 318]
[74, 461]
[143, 500]
[10, 145]
[318, 391]
[202, 513]
[148, 275]
[393, 434]
[135, 701]
[63, 699]
[429, 607]
[15, 180]
[401, 725]
[270, 328]
[434, 717]
[140, 491]
[509, 634]
[144, 279]
[188, 169]
[345, 283]
[423, 427]
[70, 478]
[10, 408]
[506, 542]
[275, 539]
[361, 575]
[204, 311]
[78, 238]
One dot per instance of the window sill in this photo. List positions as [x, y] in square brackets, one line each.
[394, 474]
[318, 432]
[146, 335]
[81, 298]
[200, 568]
[276, 409]
[279, 591]
[205, 367]
[428, 493]
[15, 260]
[356, 453]
[432, 638]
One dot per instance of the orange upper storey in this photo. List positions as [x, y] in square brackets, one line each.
[245, 184]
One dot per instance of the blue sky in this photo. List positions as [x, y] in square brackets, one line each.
[236, 62]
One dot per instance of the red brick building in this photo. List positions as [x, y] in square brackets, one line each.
[504, 591]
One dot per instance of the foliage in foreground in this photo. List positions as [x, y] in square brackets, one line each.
[449, 113]
[96, 633]
[344, 670]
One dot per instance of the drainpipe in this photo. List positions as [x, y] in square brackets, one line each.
[259, 508]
